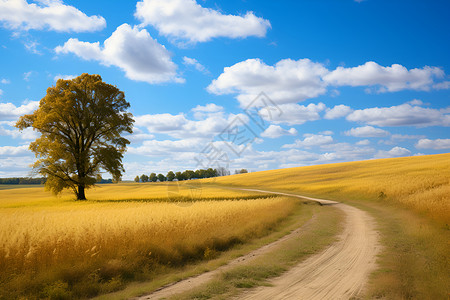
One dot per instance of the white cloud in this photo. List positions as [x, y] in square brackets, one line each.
[1, 92]
[9, 111]
[5, 81]
[161, 123]
[363, 143]
[311, 141]
[209, 108]
[288, 81]
[293, 114]
[178, 126]
[327, 132]
[275, 131]
[394, 152]
[166, 147]
[338, 111]
[47, 14]
[26, 134]
[14, 151]
[389, 79]
[437, 144]
[401, 115]
[445, 85]
[131, 49]
[187, 21]
[193, 62]
[27, 75]
[291, 81]
[65, 77]
[367, 131]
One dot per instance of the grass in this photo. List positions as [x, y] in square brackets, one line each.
[415, 261]
[60, 248]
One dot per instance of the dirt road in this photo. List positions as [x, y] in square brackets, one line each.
[339, 272]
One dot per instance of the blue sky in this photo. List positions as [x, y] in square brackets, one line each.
[340, 80]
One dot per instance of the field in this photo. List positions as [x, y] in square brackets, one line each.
[420, 183]
[410, 197]
[55, 246]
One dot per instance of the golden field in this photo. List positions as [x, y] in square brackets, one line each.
[421, 183]
[55, 246]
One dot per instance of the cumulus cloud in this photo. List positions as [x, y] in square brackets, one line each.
[166, 147]
[292, 81]
[367, 131]
[209, 108]
[7, 129]
[179, 126]
[401, 115]
[275, 131]
[131, 49]
[9, 111]
[389, 79]
[288, 81]
[5, 81]
[14, 151]
[47, 14]
[311, 141]
[394, 152]
[187, 21]
[363, 143]
[293, 114]
[338, 111]
[438, 144]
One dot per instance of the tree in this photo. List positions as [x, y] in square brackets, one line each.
[136, 179]
[241, 171]
[170, 176]
[153, 177]
[80, 122]
[179, 176]
[161, 177]
[144, 178]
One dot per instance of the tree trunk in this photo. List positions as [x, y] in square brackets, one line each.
[80, 194]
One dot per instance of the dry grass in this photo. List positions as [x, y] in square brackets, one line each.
[421, 183]
[61, 248]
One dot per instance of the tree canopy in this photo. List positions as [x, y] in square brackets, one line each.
[80, 122]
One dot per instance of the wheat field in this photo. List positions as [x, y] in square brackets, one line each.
[56, 246]
[420, 183]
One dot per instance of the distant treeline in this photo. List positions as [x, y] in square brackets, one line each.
[186, 175]
[22, 180]
[28, 180]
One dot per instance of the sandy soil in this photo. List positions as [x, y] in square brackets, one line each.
[339, 272]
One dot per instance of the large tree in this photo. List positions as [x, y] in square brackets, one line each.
[80, 122]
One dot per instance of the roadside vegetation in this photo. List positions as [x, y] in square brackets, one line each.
[410, 198]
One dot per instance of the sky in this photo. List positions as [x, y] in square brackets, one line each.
[238, 84]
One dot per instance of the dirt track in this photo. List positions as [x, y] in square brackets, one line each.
[339, 272]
